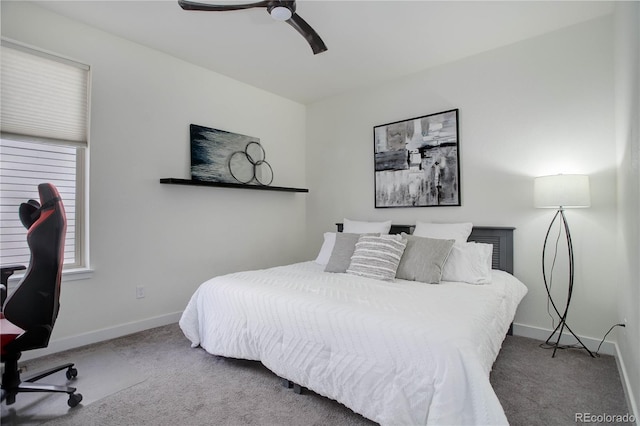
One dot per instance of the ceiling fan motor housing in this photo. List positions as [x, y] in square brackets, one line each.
[281, 10]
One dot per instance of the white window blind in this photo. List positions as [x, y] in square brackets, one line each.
[43, 96]
[43, 139]
[23, 166]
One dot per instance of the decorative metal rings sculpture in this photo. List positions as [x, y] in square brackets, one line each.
[250, 164]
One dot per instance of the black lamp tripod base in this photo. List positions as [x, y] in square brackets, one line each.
[556, 345]
[562, 325]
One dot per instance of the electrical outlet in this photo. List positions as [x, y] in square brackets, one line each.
[139, 292]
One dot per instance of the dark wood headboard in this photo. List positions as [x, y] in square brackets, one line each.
[500, 236]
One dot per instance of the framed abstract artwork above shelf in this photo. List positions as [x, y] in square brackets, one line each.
[177, 181]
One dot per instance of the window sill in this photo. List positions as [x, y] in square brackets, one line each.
[67, 275]
[77, 274]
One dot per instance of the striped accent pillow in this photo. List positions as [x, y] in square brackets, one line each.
[377, 256]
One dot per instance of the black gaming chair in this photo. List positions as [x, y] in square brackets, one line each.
[34, 304]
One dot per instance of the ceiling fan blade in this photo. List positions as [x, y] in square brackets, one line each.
[190, 5]
[312, 37]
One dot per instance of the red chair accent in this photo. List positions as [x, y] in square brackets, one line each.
[8, 331]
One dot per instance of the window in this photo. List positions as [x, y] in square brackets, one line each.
[43, 139]
[23, 165]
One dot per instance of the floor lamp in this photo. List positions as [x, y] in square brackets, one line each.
[561, 192]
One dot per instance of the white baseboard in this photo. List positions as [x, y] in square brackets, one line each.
[626, 384]
[59, 345]
[537, 333]
[120, 330]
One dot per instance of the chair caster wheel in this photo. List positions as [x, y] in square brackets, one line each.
[72, 373]
[74, 399]
[10, 399]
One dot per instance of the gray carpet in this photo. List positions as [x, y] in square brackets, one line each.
[37, 408]
[535, 389]
[180, 385]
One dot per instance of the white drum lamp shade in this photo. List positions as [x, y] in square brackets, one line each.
[561, 191]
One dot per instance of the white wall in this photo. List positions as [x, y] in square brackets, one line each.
[627, 73]
[166, 238]
[541, 106]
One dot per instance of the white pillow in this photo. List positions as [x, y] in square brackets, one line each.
[360, 227]
[327, 248]
[444, 231]
[469, 263]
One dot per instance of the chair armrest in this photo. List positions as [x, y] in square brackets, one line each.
[5, 272]
[8, 270]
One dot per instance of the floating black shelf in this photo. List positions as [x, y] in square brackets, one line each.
[176, 181]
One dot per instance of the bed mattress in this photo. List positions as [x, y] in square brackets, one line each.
[395, 352]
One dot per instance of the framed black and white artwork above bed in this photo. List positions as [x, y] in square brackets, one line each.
[417, 162]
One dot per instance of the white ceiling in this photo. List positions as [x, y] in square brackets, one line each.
[369, 41]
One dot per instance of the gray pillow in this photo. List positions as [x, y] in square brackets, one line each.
[342, 251]
[423, 259]
[377, 257]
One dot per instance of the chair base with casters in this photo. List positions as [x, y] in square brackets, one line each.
[12, 383]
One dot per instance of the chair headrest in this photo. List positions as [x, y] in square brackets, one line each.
[29, 213]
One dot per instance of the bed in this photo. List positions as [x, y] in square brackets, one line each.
[396, 352]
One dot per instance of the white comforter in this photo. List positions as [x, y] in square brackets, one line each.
[399, 353]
